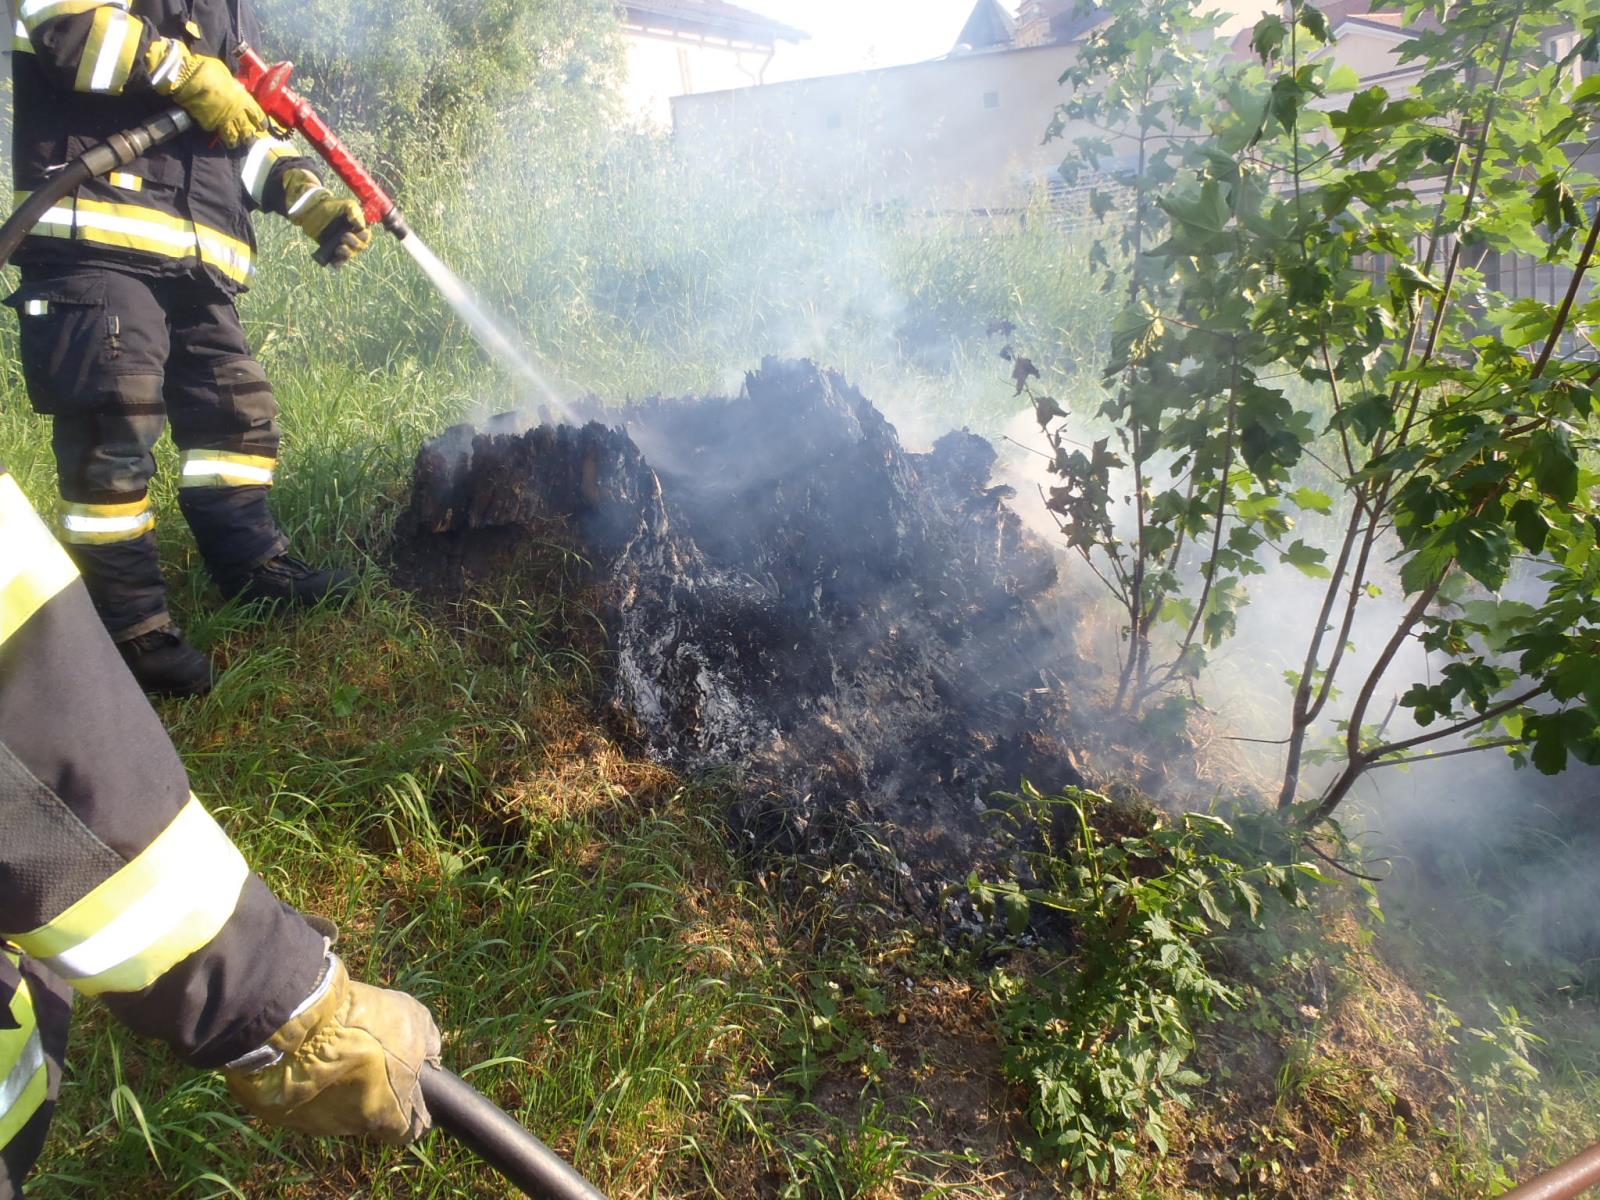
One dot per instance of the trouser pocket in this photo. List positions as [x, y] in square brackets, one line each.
[70, 344]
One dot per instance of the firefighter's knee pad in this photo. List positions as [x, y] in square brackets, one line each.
[104, 453]
[232, 409]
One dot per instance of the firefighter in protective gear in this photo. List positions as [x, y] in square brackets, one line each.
[127, 306]
[116, 883]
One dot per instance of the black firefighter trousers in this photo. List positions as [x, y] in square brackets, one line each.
[112, 357]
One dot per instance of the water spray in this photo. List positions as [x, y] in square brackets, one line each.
[269, 84]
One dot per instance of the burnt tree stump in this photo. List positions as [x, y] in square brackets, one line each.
[867, 638]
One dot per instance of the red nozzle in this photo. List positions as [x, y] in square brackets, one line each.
[270, 86]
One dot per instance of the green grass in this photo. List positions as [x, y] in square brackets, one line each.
[433, 776]
[433, 780]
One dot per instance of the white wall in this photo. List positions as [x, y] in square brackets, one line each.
[660, 69]
[957, 133]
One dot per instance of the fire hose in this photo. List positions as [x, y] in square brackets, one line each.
[1572, 1178]
[457, 1107]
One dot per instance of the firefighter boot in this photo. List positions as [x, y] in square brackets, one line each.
[286, 579]
[166, 665]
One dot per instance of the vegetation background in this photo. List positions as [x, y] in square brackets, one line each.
[678, 1022]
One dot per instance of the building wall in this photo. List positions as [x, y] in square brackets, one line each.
[1375, 55]
[661, 68]
[957, 133]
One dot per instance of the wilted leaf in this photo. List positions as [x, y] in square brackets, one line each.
[1022, 371]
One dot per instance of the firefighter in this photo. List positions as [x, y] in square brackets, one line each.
[116, 883]
[127, 306]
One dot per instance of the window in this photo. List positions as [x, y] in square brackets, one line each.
[991, 99]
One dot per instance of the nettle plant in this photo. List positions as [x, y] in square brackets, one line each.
[1310, 329]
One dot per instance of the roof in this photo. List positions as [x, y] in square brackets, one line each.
[1372, 16]
[1059, 21]
[715, 18]
[988, 26]
[1378, 14]
[1395, 20]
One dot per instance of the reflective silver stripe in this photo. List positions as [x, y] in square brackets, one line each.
[176, 238]
[258, 165]
[223, 251]
[168, 70]
[126, 226]
[35, 12]
[59, 218]
[264, 1057]
[170, 904]
[306, 199]
[197, 466]
[116, 41]
[21, 1075]
[36, 308]
[134, 524]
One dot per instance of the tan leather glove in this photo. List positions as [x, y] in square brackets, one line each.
[350, 1065]
[337, 226]
[204, 88]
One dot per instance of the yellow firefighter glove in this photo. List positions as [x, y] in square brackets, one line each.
[350, 1065]
[337, 226]
[204, 88]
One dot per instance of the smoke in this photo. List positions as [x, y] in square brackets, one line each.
[635, 267]
[1471, 842]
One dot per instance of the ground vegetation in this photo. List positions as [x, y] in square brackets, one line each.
[1234, 1015]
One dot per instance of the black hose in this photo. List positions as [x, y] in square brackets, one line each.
[538, 1171]
[116, 151]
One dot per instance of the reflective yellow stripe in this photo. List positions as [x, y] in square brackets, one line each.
[151, 915]
[128, 183]
[103, 524]
[108, 54]
[33, 566]
[24, 1079]
[147, 230]
[217, 468]
[35, 13]
[229, 255]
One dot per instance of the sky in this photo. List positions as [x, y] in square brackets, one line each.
[853, 35]
[856, 35]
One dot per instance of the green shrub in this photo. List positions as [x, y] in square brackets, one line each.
[1100, 1039]
[425, 75]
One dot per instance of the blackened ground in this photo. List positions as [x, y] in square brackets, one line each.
[866, 637]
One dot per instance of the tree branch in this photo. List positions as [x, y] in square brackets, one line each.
[1483, 718]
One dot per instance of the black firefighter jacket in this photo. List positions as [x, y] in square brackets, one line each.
[114, 880]
[79, 75]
